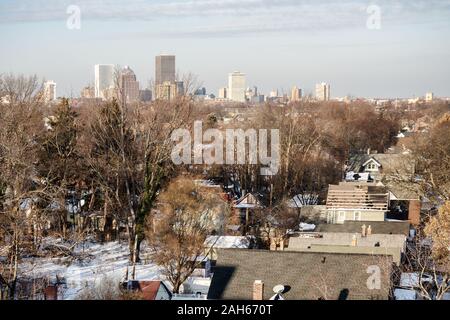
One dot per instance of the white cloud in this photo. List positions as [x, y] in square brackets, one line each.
[230, 17]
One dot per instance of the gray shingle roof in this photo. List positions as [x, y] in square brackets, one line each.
[378, 227]
[309, 275]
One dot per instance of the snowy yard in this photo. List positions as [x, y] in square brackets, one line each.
[100, 261]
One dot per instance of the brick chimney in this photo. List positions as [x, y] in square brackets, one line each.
[258, 290]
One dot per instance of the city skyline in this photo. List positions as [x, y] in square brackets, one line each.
[331, 42]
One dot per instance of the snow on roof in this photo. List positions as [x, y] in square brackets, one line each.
[363, 176]
[228, 242]
[405, 294]
[411, 279]
[307, 227]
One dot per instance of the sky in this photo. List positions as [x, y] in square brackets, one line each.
[276, 43]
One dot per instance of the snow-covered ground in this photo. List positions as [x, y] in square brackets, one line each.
[102, 261]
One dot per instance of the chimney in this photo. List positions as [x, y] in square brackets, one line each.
[354, 241]
[368, 151]
[369, 230]
[258, 290]
[51, 293]
[363, 230]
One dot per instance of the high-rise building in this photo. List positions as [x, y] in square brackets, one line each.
[223, 93]
[166, 86]
[104, 80]
[145, 95]
[236, 86]
[250, 93]
[200, 92]
[129, 86]
[429, 96]
[164, 69]
[49, 91]
[296, 94]
[323, 91]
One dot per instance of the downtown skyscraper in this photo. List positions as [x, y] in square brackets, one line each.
[129, 86]
[164, 69]
[104, 80]
[323, 91]
[166, 86]
[236, 86]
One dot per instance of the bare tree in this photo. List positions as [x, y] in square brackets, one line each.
[177, 235]
[21, 124]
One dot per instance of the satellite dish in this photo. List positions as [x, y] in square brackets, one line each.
[278, 288]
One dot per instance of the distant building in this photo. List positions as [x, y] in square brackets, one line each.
[250, 93]
[429, 97]
[104, 80]
[323, 91]
[169, 90]
[296, 94]
[200, 92]
[49, 91]
[166, 86]
[88, 92]
[129, 86]
[236, 86]
[223, 93]
[257, 99]
[145, 95]
[164, 69]
[273, 94]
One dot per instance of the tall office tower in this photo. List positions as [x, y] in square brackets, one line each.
[104, 80]
[129, 87]
[323, 91]
[49, 91]
[164, 69]
[429, 96]
[223, 93]
[236, 86]
[296, 94]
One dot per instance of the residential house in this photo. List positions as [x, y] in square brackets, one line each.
[357, 201]
[396, 172]
[149, 290]
[347, 242]
[246, 207]
[259, 274]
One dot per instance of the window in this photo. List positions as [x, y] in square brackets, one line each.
[372, 166]
[357, 215]
[341, 216]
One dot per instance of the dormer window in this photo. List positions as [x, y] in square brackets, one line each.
[371, 165]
